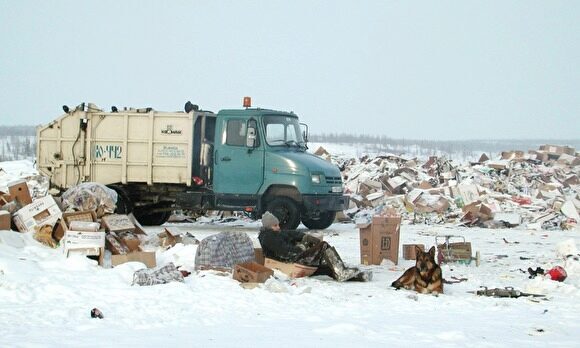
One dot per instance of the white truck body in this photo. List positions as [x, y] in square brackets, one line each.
[130, 146]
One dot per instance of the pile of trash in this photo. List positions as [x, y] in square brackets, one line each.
[536, 190]
[81, 221]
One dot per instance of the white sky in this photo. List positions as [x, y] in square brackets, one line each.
[405, 69]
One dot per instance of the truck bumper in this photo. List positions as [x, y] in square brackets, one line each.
[325, 203]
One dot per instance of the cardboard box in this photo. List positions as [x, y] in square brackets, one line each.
[19, 191]
[130, 240]
[67, 218]
[117, 223]
[83, 240]
[84, 243]
[468, 193]
[169, 237]
[293, 270]
[259, 254]
[146, 257]
[42, 211]
[115, 245]
[380, 240]
[85, 226]
[5, 198]
[555, 149]
[251, 272]
[5, 220]
[409, 251]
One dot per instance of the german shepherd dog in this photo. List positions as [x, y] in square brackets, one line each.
[425, 277]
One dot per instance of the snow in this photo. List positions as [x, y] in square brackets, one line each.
[46, 298]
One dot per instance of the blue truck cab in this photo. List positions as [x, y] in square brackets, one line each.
[260, 164]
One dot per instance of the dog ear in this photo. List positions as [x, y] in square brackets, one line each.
[418, 251]
[432, 252]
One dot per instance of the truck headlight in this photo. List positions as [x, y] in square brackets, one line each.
[336, 189]
[315, 178]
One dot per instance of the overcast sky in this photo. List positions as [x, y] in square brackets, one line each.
[404, 69]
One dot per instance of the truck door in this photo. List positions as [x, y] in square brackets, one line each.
[239, 168]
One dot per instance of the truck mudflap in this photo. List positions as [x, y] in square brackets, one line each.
[325, 203]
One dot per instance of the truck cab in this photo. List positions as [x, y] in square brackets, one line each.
[261, 164]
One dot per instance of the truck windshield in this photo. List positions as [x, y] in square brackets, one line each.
[283, 131]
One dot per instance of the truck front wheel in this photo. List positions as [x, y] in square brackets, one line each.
[286, 210]
[324, 221]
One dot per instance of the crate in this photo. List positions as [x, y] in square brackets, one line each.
[453, 251]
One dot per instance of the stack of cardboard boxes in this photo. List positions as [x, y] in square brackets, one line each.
[79, 232]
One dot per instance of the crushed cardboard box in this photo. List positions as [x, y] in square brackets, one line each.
[251, 272]
[115, 245]
[293, 270]
[146, 257]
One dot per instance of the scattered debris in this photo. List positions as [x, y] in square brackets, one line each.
[537, 190]
[505, 292]
[96, 313]
[166, 274]
[557, 273]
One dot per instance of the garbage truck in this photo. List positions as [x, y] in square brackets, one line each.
[249, 159]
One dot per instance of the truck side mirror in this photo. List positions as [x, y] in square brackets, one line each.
[304, 127]
[251, 134]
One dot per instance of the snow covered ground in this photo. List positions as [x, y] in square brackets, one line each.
[45, 298]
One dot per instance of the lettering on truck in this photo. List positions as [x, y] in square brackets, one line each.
[104, 152]
[169, 129]
[168, 151]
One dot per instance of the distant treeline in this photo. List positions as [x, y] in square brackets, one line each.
[17, 130]
[17, 142]
[426, 147]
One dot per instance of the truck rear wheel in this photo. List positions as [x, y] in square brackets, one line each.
[326, 219]
[286, 210]
[124, 205]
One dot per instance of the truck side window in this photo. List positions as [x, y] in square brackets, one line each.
[236, 132]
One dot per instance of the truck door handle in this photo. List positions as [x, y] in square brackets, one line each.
[226, 159]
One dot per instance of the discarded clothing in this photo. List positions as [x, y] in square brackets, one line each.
[165, 274]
